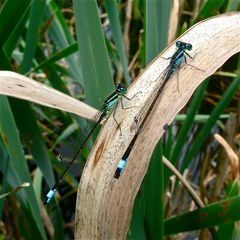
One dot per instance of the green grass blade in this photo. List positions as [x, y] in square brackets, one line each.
[51, 72]
[165, 9]
[4, 60]
[12, 42]
[18, 168]
[156, 27]
[92, 52]
[27, 125]
[58, 224]
[208, 9]
[37, 183]
[200, 118]
[61, 36]
[65, 52]
[59, 25]
[3, 168]
[206, 129]
[154, 190]
[210, 216]
[35, 20]
[136, 229]
[155, 40]
[113, 8]
[168, 144]
[232, 5]
[226, 231]
[10, 14]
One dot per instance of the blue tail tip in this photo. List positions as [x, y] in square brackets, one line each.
[49, 196]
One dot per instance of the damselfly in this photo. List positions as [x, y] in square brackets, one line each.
[174, 65]
[176, 61]
[108, 105]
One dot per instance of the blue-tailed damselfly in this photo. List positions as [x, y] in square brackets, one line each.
[174, 65]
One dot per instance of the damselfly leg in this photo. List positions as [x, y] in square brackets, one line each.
[174, 65]
[177, 59]
[185, 61]
[123, 107]
[108, 105]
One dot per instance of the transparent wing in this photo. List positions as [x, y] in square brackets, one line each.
[67, 150]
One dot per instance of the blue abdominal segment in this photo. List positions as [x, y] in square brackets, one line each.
[174, 65]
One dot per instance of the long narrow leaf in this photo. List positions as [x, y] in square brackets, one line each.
[92, 53]
[35, 20]
[10, 14]
[58, 56]
[156, 29]
[209, 8]
[154, 197]
[226, 231]
[62, 38]
[136, 229]
[27, 125]
[113, 14]
[212, 215]
[18, 165]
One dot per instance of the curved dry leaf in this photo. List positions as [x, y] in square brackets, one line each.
[104, 204]
[233, 158]
[19, 86]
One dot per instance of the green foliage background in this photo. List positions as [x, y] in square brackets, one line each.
[82, 48]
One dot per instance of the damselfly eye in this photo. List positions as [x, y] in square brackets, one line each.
[178, 44]
[120, 88]
[188, 46]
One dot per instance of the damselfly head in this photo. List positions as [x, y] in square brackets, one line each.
[184, 45]
[120, 88]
